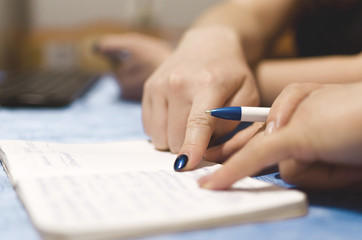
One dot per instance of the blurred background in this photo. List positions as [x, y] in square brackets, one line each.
[60, 33]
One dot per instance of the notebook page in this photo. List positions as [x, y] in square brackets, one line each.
[133, 203]
[25, 159]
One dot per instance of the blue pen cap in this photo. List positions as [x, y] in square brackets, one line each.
[230, 113]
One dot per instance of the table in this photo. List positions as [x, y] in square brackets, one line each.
[101, 115]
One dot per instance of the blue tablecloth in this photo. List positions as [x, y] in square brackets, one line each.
[102, 116]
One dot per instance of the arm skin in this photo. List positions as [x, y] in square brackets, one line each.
[256, 23]
[274, 75]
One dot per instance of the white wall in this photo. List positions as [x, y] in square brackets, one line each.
[53, 14]
[63, 13]
[183, 12]
[3, 15]
[4, 25]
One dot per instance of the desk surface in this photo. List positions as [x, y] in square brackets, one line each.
[102, 116]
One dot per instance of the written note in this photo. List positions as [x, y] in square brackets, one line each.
[123, 189]
[129, 198]
[48, 159]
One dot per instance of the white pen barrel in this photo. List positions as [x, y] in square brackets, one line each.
[254, 114]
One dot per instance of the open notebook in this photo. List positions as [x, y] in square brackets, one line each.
[128, 189]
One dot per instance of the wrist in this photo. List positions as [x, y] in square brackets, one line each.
[214, 40]
[212, 32]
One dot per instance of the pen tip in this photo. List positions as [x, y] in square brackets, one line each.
[208, 111]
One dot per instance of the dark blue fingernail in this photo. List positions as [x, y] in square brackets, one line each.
[180, 162]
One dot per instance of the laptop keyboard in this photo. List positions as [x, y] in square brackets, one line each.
[46, 88]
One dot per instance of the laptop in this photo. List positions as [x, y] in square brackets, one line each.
[42, 67]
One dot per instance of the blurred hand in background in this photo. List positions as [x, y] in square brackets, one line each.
[133, 57]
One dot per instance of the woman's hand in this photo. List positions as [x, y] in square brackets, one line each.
[314, 132]
[206, 71]
[133, 57]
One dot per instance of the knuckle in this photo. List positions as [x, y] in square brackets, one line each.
[296, 86]
[179, 80]
[197, 120]
[176, 81]
[191, 144]
[207, 78]
[147, 86]
[153, 87]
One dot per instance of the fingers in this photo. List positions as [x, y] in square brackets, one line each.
[146, 110]
[287, 102]
[204, 90]
[224, 151]
[247, 95]
[159, 121]
[154, 115]
[199, 129]
[177, 119]
[318, 175]
[179, 110]
[260, 152]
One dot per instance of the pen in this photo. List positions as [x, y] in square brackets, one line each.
[243, 114]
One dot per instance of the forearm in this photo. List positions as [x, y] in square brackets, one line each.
[274, 75]
[255, 23]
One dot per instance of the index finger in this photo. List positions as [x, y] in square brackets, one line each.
[262, 151]
[199, 129]
[287, 102]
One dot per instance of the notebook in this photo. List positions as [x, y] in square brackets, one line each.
[128, 189]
